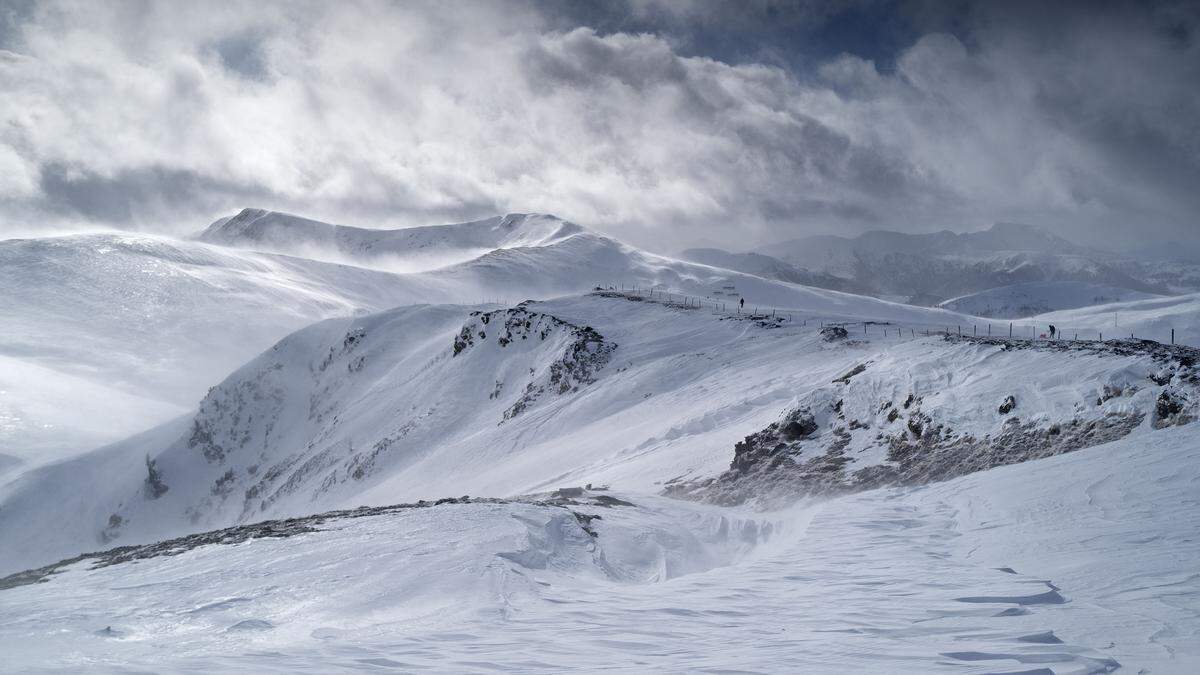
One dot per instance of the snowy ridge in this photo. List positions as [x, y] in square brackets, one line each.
[419, 247]
[131, 329]
[434, 401]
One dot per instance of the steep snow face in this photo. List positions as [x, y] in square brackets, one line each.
[405, 250]
[1077, 563]
[1024, 300]
[104, 335]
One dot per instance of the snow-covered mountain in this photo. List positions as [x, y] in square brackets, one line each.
[633, 444]
[436, 401]
[624, 390]
[409, 249]
[108, 334]
[930, 268]
[1039, 297]
[766, 266]
[111, 334]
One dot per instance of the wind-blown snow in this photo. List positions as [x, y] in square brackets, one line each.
[986, 573]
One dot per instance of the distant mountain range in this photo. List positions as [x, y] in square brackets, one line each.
[929, 269]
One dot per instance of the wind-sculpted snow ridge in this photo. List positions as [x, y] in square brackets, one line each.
[291, 527]
[857, 435]
[413, 248]
[582, 359]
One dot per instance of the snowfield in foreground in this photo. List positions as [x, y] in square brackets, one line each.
[986, 573]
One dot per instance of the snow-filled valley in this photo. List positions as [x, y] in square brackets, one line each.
[517, 444]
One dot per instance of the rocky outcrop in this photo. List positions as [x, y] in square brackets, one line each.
[584, 354]
[794, 457]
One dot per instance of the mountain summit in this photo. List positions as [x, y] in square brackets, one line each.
[425, 247]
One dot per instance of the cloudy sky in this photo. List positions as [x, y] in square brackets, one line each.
[665, 122]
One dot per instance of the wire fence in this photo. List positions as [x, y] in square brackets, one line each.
[1015, 330]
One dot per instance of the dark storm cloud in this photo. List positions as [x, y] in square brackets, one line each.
[663, 122]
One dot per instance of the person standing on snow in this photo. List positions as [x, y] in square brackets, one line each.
[1053, 330]
[742, 303]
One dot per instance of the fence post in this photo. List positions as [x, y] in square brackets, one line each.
[1172, 336]
[1010, 329]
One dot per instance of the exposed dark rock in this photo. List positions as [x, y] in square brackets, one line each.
[771, 469]
[834, 333]
[845, 379]
[1169, 409]
[798, 425]
[584, 355]
[1010, 403]
[155, 486]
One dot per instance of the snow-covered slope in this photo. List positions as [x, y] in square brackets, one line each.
[408, 249]
[434, 401]
[1029, 299]
[1152, 319]
[766, 266]
[105, 335]
[1075, 564]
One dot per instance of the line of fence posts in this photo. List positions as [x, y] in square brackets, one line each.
[698, 302]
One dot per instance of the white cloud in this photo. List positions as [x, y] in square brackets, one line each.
[374, 113]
